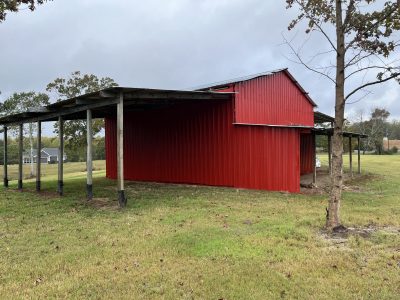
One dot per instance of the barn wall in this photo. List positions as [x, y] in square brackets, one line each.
[267, 158]
[197, 143]
[306, 154]
[183, 144]
[272, 100]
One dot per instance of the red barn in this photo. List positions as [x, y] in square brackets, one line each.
[258, 139]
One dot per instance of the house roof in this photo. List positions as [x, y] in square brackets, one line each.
[216, 85]
[51, 151]
[48, 151]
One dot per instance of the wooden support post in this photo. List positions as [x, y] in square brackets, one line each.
[5, 162]
[351, 156]
[120, 151]
[60, 188]
[330, 153]
[20, 154]
[38, 156]
[359, 154]
[89, 156]
[314, 159]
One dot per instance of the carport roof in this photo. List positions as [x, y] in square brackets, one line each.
[101, 101]
[329, 131]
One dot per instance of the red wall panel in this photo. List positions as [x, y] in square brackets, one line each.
[198, 143]
[267, 158]
[272, 100]
[183, 144]
[306, 154]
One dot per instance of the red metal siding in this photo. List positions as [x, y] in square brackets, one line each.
[197, 143]
[267, 158]
[272, 100]
[183, 144]
[306, 154]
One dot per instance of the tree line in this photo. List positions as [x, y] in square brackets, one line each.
[377, 127]
[74, 131]
[73, 155]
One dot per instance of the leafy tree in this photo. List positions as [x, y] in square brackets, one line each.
[376, 128]
[78, 84]
[21, 102]
[14, 6]
[394, 130]
[379, 128]
[361, 36]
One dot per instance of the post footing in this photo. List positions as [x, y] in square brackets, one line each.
[122, 199]
[89, 191]
[38, 186]
[60, 188]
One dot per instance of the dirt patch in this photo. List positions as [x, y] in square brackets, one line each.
[43, 194]
[354, 184]
[47, 194]
[341, 234]
[103, 204]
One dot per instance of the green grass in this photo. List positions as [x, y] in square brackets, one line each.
[187, 242]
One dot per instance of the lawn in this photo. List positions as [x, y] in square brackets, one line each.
[186, 242]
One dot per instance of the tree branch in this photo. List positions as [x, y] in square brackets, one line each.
[316, 23]
[392, 76]
[364, 69]
[374, 25]
[301, 61]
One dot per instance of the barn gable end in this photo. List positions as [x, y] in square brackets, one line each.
[275, 100]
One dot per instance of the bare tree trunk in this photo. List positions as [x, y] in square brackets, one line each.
[333, 216]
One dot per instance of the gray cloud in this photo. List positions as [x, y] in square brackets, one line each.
[158, 43]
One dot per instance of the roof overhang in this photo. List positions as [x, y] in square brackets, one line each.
[320, 118]
[329, 131]
[102, 104]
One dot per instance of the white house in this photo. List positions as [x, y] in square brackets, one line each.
[48, 155]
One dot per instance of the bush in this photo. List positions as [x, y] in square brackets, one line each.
[394, 150]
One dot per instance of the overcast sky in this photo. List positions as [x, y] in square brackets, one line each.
[161, 44]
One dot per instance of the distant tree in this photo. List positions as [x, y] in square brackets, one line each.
[99, 149]
[78, 84]
[378, 128]
[14, 6]
[394, 130]
[360, 124]
[361, 36]
[21, 102]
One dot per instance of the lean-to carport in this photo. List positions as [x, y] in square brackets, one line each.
[101, 104]
[320, 118]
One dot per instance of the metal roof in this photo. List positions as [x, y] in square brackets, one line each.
[320, 117]
[329, 131]
[102, 103]
[216, 85]
[236, 80]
